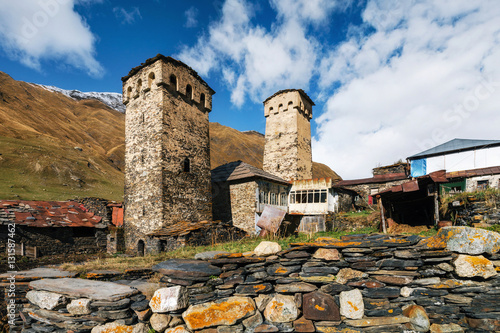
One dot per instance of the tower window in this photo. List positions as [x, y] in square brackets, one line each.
[173, 82]
[186, 165]
[129, 92]
[202, 100]
[280, 108]
[151, 78]
[139, 85]
[290, 105]
[189, 91]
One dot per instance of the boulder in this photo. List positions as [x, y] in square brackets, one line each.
[346, 274]
[327, 254]
[320, 306]
[186, 268]
[266, 248]
[177, 329]
[169, 299]
[281, 309]
[446, 328]
[464, 240]
[474, 266]
[419, 321]
[159, 321]
[226, 311]
[351, 304]
[46, 300]
[79, 306]
[113, 327]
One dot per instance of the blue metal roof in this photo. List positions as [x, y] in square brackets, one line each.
[455, 146]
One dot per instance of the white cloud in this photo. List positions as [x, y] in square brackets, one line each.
[427, 74]
[191, 17]
[34, 31]
[127, 16]
[255, 61]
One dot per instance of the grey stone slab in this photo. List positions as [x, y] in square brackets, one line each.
[186, 268]
[209, 255]
[80, 288]
[39, 273]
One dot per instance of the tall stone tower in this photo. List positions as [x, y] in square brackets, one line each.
[287, 152]
[167, 151]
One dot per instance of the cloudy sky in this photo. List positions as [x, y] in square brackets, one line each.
[389, 78]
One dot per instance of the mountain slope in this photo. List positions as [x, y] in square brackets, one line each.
[56, 147]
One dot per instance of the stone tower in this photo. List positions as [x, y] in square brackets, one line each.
[287, 152]
[167, 151]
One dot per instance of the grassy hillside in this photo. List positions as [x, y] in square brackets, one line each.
[55, 148]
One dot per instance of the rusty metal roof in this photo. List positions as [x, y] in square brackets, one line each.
[47, 214]
[239, 170]
[474, 172]
[390, 177]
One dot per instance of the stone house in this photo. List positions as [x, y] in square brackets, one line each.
[58, 227]
[167, 151]
[240, 192]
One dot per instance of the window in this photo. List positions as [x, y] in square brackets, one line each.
[139, 85]
[292, 197]
[173, 82]
[290, 105]
[283, 199]
[129, 92]
[273, 199]
[309, 196]
[482, 184]
[189, 92]
[261, 197]
[323, 196]
[266, 197]
[202, 100]
[186, 167]
[151, 78]
[140, 248]
[280, 108]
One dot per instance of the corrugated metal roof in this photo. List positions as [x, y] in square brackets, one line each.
[474, 172]
[373, 180]
[47, 214]
[455, 146]
[240, 170]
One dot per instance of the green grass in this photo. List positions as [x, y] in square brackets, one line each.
[362, 213]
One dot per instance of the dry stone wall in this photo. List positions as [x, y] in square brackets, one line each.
[361, 283]
[243, 205]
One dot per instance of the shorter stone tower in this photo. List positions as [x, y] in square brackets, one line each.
[167, 150]
[287, 152]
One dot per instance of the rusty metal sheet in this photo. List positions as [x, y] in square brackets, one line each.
[411, 186]
[271, 219]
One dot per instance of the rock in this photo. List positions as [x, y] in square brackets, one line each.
[265, 328]
[112, 328]
[253, 289]
[253, 321]
[320, 306]
[208, 255]
[261, 301]
[490, 325]
[281, 309]
[231, 329]
[114, 314]
[143, 315]
[406, 291]
[446, 328]
[327, 254]
[79, 306]
[80, 288]
[445, 267]
[39, 273]
[389, 292]
[177, 329]
[298, 287]
[419, 321]
[107, 306]
[303, 325]
[346, 274]
[141, 328]
[473, 266]
[169, 299]
[377, 321]
[394, 279]
[46, 300]
[179, 268]
[366, 284]
[464, 240]
[140, 305]
[351, 304]
[176, 321]
[427, 281]
[266, 248]
[281, 270]
[225, 311]
[458, 299]
[159, 321]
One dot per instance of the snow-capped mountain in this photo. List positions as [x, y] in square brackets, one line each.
[113, 100]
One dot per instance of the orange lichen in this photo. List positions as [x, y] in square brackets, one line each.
[155, 302]
[281, 270]
[224, 313]
[259, 287]
[319, 308]
[353, 306]
[390, 310]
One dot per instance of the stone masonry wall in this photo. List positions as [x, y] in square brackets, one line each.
[287, 152]
[243, 205]
[361, 283]
[167, 152]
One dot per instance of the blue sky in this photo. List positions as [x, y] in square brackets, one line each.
[389, 78]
